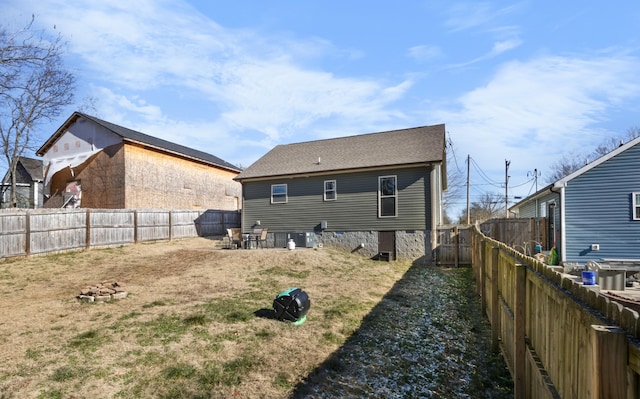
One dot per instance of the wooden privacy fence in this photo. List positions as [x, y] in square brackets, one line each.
[517, 232]
[453, 246]
[559, 338]
[42, 231]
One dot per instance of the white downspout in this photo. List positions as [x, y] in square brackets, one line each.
[36, 203]
[563, 235]
[435, 206]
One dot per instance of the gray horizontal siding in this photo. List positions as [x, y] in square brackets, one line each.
[599, 210]
[356, 207]
[531, 208]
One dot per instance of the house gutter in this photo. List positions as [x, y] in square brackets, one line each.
[435, 207]
[329, 172]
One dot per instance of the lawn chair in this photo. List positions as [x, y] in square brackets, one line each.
[262, 238]
[255, 237]
[227, 240]
[236, 238]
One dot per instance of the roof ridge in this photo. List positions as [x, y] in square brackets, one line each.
[158, 142]
[396, 148]
[363, 134]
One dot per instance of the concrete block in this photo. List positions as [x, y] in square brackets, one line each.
[86, 298]
[119, 295]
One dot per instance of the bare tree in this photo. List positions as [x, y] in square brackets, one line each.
[566, 165]
[490, 205]
[573, 161]
[34, 88]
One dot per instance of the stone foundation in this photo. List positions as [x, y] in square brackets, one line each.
[413, 245]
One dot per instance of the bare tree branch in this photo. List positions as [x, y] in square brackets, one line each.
[490, 205]
[571, 162]
[34, 88]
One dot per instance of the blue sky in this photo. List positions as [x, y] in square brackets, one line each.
[524, 81]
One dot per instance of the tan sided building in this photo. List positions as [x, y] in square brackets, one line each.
[92, 163]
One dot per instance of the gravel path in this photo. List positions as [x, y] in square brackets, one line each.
[426, 339]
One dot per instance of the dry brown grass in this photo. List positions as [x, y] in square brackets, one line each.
[188, 327]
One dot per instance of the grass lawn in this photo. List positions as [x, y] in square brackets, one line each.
[195, 325]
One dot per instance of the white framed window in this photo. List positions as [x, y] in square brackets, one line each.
[330, 190]
[387, 196]
[635, 199]
[279, 194]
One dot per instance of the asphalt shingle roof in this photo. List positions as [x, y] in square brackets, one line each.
[417, 145]
[33, 167]
[141, 138]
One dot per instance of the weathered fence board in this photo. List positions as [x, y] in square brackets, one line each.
[183, 224]
[521, 234]
[453, 246]
[42, 231]
[13, 229]
[111, 227]
[57, 230]
[153, 225]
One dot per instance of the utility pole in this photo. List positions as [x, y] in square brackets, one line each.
[506, 188]
[468, 185]
[535, 174]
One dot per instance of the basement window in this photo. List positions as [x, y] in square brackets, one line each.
[635, 199]
[387, 196]
[279, 194]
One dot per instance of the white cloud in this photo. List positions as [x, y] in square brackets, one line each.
[468, 15]
[242, 81]
[115, 107]
[503, 46]
[425, 53]
[282, 100]
[533, 112]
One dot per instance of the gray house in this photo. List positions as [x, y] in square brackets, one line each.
[593, 213]
[378, 194]
[29, 176]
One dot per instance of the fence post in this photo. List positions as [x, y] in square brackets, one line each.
[609, 372]
[495, 302]
[27, 233]
[87, 237]
[456, 243]
[519, 333]
[170, 225]
[482, 274]
[136, 236]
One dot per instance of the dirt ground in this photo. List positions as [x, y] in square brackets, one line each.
[196, 324]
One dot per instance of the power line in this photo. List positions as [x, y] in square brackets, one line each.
[453, 151]
[521, 184]
[484, 175]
